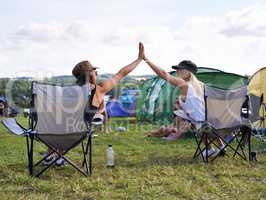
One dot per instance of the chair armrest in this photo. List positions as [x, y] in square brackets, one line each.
[14, 127]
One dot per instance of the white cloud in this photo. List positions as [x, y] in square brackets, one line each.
[246, 22]
[235, 42]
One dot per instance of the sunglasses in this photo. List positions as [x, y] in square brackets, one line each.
[95, 70]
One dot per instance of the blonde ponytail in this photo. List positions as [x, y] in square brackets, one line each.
[197, 85]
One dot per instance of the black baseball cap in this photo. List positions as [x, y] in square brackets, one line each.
[188, 65]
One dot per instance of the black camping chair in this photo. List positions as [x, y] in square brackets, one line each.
[57, 119]
[226, 112]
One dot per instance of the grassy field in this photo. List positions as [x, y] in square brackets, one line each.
[145, 169]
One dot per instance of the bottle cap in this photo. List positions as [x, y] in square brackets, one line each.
[109, 145]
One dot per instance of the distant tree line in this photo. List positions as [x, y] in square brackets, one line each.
[18, 91]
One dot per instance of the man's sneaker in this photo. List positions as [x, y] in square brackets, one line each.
[215, 152]
[229, 138]
[220, 151]
[210, 152]
[48, 160]
[60, 162]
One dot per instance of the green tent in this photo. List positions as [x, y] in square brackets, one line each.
[155, 102]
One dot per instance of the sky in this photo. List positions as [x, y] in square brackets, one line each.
[45, 38]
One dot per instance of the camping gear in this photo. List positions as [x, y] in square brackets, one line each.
[128, 100]
[115, 109]
[226, 111]
[124, 106]
[155, 102]
[57, 120]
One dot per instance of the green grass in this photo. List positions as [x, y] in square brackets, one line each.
[145, 169]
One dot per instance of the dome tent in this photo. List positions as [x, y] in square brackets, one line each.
[155, 102]
[257, 83]
[115, 109]
[257, 87]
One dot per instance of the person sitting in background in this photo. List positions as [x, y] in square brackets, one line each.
[191, 97]
[2, 108]
[190, 104]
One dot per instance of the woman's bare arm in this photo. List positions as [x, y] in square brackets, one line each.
[178, 82]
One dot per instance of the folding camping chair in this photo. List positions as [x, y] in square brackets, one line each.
[258, 123]
[259, 112]
[57, 119]
[226, 112]
[256, 105]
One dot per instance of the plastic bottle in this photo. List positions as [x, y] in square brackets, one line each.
[121, 129]
[110, 157]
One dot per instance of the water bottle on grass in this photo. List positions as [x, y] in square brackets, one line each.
[121, 129]
[110, 157]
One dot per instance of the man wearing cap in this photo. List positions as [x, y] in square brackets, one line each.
[189, 106]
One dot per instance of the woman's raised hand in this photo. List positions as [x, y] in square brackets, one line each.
[141, 51]
[144, 57]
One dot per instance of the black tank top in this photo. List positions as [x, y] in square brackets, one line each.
[91, 110]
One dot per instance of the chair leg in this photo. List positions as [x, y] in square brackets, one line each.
[45, 168]
[246, 132]
[239, 146]
[207, 145]
[198, 145]
[88, 150]
[30, 154]
[85, 154]
[204, 139]
[249, 145]
[61, 155]
[90, 158]
[74, 166]
[198, 150]
[40, 161]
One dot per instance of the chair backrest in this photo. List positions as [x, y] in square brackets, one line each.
[223, 107]
[60, 109]
[255, 105]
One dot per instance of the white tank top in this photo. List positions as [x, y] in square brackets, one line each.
[194, 105]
